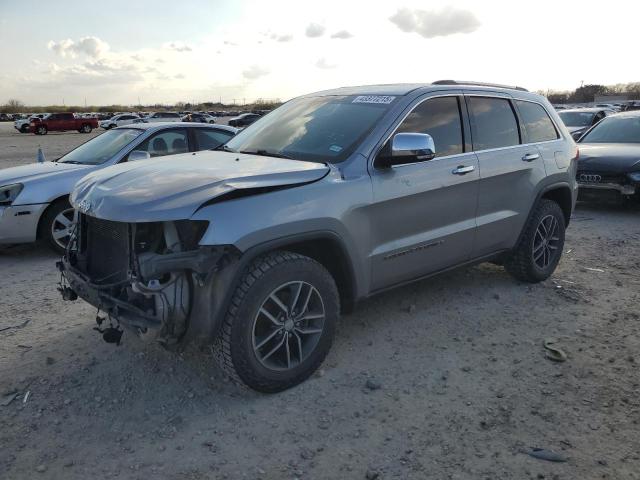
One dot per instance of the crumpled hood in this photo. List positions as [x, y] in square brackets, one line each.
[37, 171]
[609, 157]
[174, 187]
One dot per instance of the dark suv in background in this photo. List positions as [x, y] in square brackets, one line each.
[330, 199]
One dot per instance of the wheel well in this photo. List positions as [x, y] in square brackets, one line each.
[63, 198]
[562, 196]
[330, 254]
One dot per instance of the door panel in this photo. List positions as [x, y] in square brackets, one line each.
[422, 219]
[509, 172]
[507, 190]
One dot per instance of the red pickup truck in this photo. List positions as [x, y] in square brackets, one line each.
[59, 122]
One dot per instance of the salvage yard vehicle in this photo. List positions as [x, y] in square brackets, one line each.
[579, 120]
[34, 199]
[243, 120]
[333, 197]
[163, 117]
[61, 122]
[119, 120]
[22, 124]
[609, 164]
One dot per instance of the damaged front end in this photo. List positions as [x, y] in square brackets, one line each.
[142, 276]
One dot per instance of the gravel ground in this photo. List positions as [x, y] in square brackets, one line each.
[445, 379]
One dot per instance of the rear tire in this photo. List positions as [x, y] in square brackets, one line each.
[273, 344]
[86, 128]
[537, 254]
[55, 225]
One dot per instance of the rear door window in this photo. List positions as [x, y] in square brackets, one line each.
[537, 123]
[440, 118]
[167, 142]
[494, 123]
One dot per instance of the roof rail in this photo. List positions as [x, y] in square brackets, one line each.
[477, 84]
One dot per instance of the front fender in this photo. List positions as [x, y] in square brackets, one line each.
[331, 206]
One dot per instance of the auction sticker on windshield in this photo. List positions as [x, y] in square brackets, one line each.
[384, 99]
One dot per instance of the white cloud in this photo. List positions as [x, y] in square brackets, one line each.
[314, 30]
[254, 72]
[324, 64]
[435, 23]
[342, 35]
[90, 46]
[280, 38]
[178, 46]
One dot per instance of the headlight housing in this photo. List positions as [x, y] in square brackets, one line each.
[635, 176]
[8, 193]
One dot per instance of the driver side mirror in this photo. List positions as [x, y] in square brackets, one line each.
[406, 148]
[138, 155]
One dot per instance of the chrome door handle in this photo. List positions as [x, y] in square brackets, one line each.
[529, 157]
[462, 170]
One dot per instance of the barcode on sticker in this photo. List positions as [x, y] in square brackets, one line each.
[384, 99]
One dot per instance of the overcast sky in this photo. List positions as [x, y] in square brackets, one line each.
[120, 51]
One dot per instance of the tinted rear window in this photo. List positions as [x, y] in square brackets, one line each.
[537, 123]
[494, 123]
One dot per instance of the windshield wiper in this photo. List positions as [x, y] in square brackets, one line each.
[224, 148]
[74, 162]
[266, 153]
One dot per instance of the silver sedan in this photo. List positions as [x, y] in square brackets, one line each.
[34, 199]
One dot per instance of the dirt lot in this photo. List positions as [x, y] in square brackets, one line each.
[464, 385]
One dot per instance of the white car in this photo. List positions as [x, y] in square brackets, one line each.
[119, 120]
[163, 117]
[22, 125]
[34, 199]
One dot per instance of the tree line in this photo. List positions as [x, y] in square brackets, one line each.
[17, 106]
[587, 93]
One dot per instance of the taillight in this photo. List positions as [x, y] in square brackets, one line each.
[577, 153]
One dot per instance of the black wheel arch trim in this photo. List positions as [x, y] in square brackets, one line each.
[541, 193]
[210, 307]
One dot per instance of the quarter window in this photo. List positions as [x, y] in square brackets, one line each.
[494, 123]
[208, 139]
[440, 118]
[537, 123]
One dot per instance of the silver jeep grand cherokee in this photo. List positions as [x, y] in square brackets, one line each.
[331, 198]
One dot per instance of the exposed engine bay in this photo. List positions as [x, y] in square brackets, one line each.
[141, 276]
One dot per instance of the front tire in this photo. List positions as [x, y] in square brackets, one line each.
[280, 323]
[41, 130]
[86, 128]
[55, 225]
[540, 248]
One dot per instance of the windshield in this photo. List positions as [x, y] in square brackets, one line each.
[317, 129]
[101, 148]
[614, 130]
[576, 119]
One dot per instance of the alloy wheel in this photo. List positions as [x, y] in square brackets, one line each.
[546, 242]
[288, 326]
[61, 227]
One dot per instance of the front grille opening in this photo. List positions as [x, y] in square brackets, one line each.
[107, 248]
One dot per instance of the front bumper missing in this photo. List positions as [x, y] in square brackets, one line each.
[622, 189]
[171, 287]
